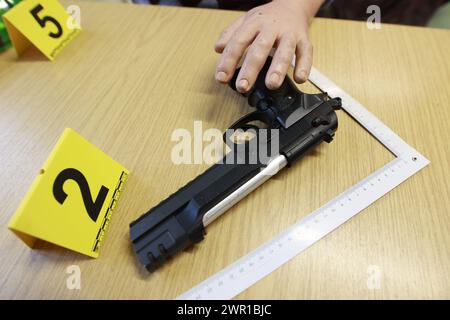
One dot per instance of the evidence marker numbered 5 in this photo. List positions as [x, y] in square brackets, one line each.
[45, 24]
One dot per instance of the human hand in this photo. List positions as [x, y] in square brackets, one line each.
[280, 24]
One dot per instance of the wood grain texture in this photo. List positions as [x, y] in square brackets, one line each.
[136, 73]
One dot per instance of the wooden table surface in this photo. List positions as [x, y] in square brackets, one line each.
[136, 73]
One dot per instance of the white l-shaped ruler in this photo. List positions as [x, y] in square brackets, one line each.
[259, 263]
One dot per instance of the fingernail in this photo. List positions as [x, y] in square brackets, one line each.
[274, 79]
[302, 75]
[243, 85]
[221, 76]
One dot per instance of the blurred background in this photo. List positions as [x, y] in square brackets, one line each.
[432, 13]
[429, 13]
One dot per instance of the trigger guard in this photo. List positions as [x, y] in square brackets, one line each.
[243, 123]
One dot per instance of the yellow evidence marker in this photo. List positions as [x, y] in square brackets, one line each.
[44, 24]
[71, 200]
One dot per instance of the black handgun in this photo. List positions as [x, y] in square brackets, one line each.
[286, 124]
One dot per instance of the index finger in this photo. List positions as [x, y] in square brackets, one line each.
[234, 50]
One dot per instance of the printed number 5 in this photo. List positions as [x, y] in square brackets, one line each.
[93, 207]
[43, 21]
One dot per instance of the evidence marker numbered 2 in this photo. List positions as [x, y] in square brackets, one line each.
[294, 123]
[71, 200]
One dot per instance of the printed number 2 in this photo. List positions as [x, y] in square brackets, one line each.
[43, 21]
[93, 207]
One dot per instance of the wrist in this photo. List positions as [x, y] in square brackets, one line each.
[308, 8]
